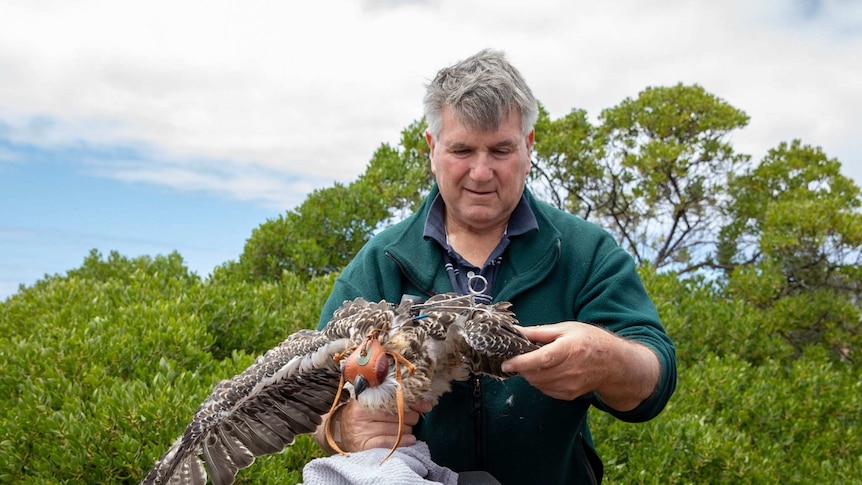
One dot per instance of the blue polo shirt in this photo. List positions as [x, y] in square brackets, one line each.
[462, 274]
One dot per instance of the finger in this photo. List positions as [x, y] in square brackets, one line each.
[411, 418]
[542, 333]
[540, 359]
[388, 441]
[421, 406]
[361, 414]
[520, 364]
[407, 440]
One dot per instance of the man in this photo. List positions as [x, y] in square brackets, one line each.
[572, 287]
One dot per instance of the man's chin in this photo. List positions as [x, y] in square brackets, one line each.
[483, 217]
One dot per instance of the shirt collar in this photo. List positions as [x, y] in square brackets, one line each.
[521, 221]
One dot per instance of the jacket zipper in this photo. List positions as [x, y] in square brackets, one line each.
[476, 413]
[476, 416]
[595, 476]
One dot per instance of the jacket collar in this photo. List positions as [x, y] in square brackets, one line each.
[532, 255]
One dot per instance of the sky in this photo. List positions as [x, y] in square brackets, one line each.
[161, 126]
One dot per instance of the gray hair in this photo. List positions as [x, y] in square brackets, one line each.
[482, 91]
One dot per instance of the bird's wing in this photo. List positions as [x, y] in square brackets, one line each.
[261, 411]
[491, 337]
[481, 336]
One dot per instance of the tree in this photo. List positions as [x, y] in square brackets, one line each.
[794, 246]
[666, 161]
[653, 172]
[566, 170]
[401, 175]
[324, 233]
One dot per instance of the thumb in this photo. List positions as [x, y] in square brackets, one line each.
[542, 333]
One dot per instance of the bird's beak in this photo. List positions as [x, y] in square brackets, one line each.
[360, 384]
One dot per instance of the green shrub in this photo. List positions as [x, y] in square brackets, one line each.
[255, 317]
[701, 320]
[102, 368]
[732, 422]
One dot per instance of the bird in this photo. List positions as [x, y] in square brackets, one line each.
[388, 357]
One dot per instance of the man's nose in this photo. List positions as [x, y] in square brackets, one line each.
[482, 169]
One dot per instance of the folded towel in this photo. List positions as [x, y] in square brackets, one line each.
[408, 465]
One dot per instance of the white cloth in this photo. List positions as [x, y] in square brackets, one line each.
[408, 465]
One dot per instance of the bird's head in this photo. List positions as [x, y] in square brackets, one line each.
[367, 366]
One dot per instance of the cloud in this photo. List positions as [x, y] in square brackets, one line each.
[255, 184]
[288, 97]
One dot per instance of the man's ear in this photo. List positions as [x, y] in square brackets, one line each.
[430, 139]
[431, 144]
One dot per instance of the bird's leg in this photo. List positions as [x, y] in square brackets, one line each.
[399, 396]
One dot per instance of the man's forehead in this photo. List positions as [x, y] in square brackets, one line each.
[455, 130]
[471, 142]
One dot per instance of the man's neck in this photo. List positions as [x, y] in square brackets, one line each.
[474, 245]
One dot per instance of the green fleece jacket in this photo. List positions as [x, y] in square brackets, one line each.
[568, 269]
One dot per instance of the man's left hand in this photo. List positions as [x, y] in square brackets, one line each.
[579, 358]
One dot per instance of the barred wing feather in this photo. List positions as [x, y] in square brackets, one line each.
[262, 410]
[285, 392]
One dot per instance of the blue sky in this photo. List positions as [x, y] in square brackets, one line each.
[56, 208]
[160, 126]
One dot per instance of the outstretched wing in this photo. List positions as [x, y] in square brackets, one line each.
[262, 410]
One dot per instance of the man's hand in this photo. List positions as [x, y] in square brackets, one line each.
[579, 358]
[356, 428]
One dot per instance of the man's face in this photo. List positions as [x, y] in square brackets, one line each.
[481, 174]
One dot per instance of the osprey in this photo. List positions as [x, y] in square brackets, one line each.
[389, 357]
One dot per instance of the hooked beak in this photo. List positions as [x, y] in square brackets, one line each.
[360, 384]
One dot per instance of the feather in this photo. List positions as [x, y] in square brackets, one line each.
[286, 390]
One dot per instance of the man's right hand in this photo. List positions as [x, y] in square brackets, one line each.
[356, 428]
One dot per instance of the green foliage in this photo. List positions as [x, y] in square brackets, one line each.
[794, 248]
[796, 207]
[324, 233]
[256, 317]
[701, 320]
[668, 159]
[400, 176]
[733, 422]
[101, 368]
[318, 237]
[653, 172]
[566, 169]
